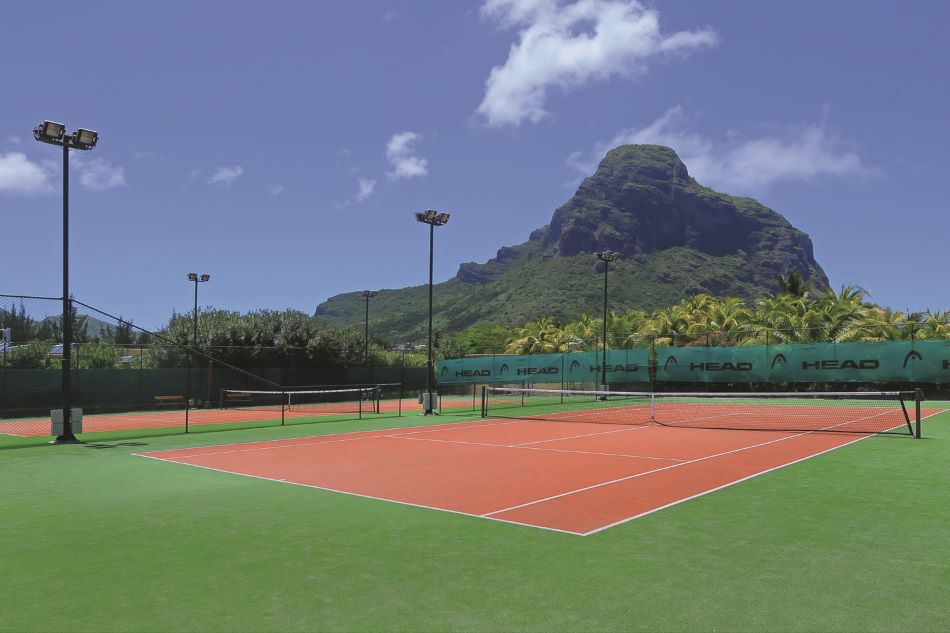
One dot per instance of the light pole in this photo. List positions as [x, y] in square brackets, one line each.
[195, 277]
[367, 295]
[82, 139]
[606, 257]
[433, 219]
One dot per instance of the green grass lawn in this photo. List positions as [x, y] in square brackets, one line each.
[94, 538]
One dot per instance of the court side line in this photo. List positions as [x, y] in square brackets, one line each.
[357, 494]
[531, 448]
[656, 470]
[737, 481]
[383, 433]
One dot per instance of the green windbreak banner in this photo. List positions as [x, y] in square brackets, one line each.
[712, 364]
[626, 365]
[889, 361]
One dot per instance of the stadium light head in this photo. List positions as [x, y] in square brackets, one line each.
[369, 294]
[204, 278]
[608, 256]
[49, 132]
[432, 217]
[192, 276]
[85, 139]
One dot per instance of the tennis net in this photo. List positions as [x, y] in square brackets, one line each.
[305, 402]
[843, 412]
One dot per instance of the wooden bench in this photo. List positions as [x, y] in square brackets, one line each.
[170, 400]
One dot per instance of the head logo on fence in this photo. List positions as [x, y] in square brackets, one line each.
[504, 369]
[779, 357]
[912, 355]
[670, 360]
[575, 364]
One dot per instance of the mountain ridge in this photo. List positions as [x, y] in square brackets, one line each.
[675, 236]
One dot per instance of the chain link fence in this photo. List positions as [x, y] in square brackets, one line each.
[131, 382]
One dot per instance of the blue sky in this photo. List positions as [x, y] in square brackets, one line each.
[283, 147]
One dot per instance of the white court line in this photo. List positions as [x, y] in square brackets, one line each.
[656, 470]
[357, 494]
[530, 448]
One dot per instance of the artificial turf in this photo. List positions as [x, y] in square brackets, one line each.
[95, 538]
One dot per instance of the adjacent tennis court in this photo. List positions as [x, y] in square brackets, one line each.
[546, 465]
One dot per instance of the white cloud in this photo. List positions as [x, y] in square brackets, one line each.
[400, 154]
[275, 190]
[568, 45]
[13, 138]
[367, 186]
[737, 164]
[20, 175]
[99, 174]
[225, 175]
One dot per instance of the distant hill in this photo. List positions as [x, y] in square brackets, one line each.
[676, 238]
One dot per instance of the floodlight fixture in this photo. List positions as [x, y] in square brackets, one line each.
[369, 294]
[85, 139]
[192, 276]
[49, 132]
[204, 278]
[432, 217]
[608, 256]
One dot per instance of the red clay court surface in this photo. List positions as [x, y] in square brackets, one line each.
[97, 423]
[578, 478]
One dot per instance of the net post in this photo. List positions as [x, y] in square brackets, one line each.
[284, 399]
[918, 396]
[484, 410]
[360, 413]
[400, 399]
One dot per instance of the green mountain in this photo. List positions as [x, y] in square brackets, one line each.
[676, 238]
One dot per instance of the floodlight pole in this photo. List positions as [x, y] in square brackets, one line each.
[55, 134]
[606, 257]
[429, 364]
[433, 219]
[67, 437]
[367, 295]
[195, 277]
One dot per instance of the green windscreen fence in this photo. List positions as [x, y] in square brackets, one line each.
[924, 362]
[626, 365]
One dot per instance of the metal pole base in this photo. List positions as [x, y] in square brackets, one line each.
[66, 439]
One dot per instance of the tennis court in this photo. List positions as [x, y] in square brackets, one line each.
[549, 467]
[276, 407]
